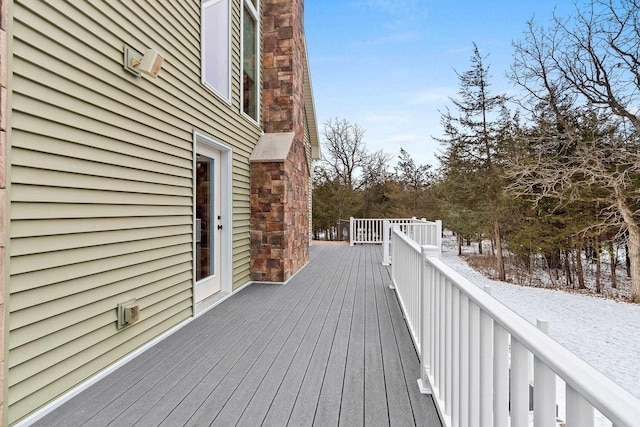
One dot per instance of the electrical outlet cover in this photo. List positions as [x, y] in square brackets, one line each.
[122, 307]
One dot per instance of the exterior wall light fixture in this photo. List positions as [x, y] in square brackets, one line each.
[149, 62]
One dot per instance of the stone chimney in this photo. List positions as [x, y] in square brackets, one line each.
[279, 167]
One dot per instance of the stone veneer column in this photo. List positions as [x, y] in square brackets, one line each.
[3, 152]
[297, 209]
[280, 189]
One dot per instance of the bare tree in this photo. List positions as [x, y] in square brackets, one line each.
[600, 55]
[546, 96]
[372, 183]
[345, 149]
[584, 73]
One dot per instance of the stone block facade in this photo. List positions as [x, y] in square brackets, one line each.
[283, 66]
[280, 188]
[279, 217]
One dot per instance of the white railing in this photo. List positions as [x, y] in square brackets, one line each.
[475, 352]
[420, 231]
[371, 230]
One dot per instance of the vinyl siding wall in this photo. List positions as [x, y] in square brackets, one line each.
[100, 182]
[307, 147]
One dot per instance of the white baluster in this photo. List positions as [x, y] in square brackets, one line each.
[448, 356]
[455, 357]
[463, 388]
[486, 370]
[544, 389]
[519, 384]
[579, 411]
[500, 376]
[474, 365]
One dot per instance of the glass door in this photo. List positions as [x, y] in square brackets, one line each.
[207, 222]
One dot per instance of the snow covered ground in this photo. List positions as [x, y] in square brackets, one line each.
[603, 332]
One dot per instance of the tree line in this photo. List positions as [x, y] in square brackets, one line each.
[551, 175]
[351, 181]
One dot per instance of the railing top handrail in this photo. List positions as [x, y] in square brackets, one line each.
[385, 219]
[614, 402]
[421, 223]
[404, 220]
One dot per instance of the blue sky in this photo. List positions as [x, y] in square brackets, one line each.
[389, 64]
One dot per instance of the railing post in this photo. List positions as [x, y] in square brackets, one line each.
[386, 241]
[394, 266]
[425, 322]
[439, 234]
[351, 220]
[544, 389]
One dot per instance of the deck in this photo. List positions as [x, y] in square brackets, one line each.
[329, 348]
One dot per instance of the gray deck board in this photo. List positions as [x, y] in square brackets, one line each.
[329, 348]
[142, 368]
[165, 376]
[330, 399]
[291, 332]
[157, 375]
[352, 405]
[399, 403]
[423, 409]
[302, 412]
[375, 389]
[285, 377]
[234, 366]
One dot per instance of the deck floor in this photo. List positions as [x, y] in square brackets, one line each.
[330, 348]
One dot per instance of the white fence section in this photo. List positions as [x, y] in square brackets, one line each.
[371, 230]
[475, 352]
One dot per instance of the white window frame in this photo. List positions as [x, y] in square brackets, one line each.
[203, 51]
[255, 11]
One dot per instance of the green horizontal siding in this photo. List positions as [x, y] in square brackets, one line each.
[101, 184]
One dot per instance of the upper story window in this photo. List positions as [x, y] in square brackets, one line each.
[216, 47]
[250, 59]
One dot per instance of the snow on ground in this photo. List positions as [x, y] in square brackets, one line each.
[605, 333]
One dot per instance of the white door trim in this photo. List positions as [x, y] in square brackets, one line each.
[226, 209]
